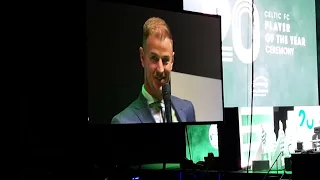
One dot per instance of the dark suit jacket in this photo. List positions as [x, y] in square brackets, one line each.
[138, 112]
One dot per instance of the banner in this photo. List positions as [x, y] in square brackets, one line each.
[282, 47]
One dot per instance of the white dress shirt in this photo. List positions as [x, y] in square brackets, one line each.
[154, 111]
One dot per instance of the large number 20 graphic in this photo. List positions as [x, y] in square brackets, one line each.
[303, 114]
[244, 54]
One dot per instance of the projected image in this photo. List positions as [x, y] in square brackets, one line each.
[283, 48]
[201, 140]
[160, 66]
[204, 93]
[262, 125]
[274, 135]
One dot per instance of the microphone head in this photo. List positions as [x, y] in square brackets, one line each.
[166, 91]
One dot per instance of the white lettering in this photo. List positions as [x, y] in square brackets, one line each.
[280, 50]
[276, 26]
[269, 37]
[286, 16]
[272, 15]
[282, 39]
[297, 41]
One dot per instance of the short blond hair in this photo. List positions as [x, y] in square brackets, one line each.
[155, 26]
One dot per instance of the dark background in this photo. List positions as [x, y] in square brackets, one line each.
[114, 67]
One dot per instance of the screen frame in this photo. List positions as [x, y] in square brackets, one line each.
[218, 17]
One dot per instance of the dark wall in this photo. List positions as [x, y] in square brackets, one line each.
[51, 79]
[171, 5]
[136, 144]
[229, 140]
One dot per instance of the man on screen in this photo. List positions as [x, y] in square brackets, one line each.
[157, 58]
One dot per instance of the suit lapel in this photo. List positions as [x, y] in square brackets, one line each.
[142, 110]
[179, 112]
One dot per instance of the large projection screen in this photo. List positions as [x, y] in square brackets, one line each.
[284, 50]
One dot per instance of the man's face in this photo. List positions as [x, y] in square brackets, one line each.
[157, 60]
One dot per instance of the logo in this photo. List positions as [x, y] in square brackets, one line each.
[213, 136]
[305, 119]
[260, 86]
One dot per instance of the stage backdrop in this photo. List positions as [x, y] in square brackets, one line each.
[284, 50]
[285, 71]
[268, 141]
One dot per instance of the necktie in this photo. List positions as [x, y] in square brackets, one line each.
[157, 106]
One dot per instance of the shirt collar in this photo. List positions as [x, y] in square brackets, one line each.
[148, 96]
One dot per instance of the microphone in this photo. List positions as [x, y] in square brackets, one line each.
[276, 161]
[166, 93]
